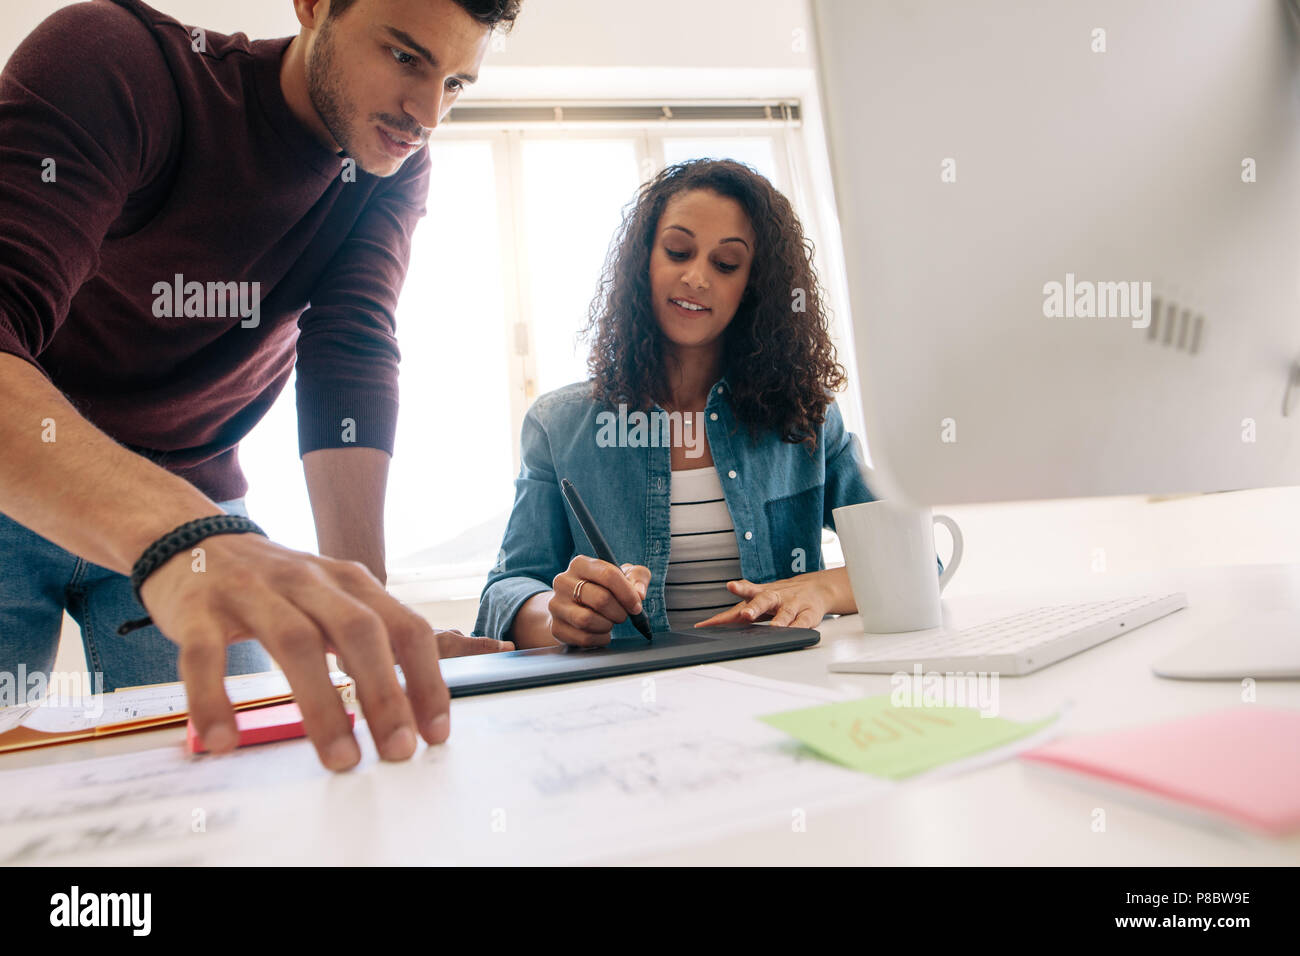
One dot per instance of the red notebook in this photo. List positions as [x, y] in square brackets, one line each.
[1242, 764]
[260, 726]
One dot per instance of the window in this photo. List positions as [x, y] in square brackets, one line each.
[755, 151]
[452, 463]
[503, 271]
[574, 191]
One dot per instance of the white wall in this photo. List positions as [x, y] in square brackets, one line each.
[718, 34]
[257, 18]
[712, 34]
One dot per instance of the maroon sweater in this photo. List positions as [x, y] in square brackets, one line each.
[166, 162]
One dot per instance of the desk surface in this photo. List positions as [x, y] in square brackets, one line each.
[1002, 814]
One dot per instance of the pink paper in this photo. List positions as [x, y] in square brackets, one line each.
[1243, 763]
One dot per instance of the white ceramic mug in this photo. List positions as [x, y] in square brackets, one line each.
[889, 551]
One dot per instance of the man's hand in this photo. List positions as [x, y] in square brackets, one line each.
[455, 644]
[300, 607]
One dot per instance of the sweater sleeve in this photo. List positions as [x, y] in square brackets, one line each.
[87, 109]
[347, 346]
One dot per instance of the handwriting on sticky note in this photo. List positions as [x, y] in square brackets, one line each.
[890, 726]
[876, 737]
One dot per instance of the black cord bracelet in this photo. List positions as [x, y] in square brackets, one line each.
[173, 543]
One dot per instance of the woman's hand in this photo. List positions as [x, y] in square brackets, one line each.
[800, 601]
[591, 597]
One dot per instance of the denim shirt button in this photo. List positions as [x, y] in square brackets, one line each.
[749, 536]
[713, 416]
[654, 547]
[731, 474]
[719, 389]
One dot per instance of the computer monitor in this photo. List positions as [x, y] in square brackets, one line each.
[1072, 233]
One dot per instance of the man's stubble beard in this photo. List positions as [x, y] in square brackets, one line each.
[326, 92]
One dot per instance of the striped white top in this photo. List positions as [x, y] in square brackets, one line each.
[703, 555]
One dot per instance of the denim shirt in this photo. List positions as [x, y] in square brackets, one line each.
[780, 496]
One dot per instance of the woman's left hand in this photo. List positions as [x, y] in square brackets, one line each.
[800, 601]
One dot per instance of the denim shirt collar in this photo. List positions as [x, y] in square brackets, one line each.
[717, 392]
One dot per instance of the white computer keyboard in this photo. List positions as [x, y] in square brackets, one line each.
[1018, 644]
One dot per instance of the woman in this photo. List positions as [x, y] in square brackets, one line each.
[706, 444]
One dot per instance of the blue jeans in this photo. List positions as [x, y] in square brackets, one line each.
[38, 580]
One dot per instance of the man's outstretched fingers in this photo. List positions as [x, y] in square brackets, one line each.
[202, 665]
[362, 637]
[417, 650]
[456, 644]
[413, 643]
[354, 627]
[323, 715]
[298, 646]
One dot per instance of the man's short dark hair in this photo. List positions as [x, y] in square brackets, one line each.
[490, 13]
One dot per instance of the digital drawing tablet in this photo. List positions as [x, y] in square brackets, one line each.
[540, 666]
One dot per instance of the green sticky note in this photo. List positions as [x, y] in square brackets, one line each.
[876, 737]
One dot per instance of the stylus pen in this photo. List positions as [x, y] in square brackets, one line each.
[598, 542]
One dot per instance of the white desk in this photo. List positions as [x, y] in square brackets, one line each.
[1003, 814]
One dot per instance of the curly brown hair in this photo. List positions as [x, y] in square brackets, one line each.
[778, 360]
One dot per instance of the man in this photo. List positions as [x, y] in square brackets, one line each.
[179, 212]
